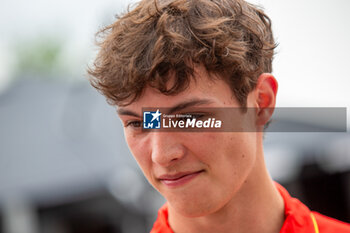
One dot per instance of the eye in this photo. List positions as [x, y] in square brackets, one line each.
[192, 116]
[133, 124]
[197, 115]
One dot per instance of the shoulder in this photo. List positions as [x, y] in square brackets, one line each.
[328, 224]
[299, 218]
[161, 225]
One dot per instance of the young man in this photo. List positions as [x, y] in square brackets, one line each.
[210, 54]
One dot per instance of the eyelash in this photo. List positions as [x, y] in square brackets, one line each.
[195, 115]
[132, 124]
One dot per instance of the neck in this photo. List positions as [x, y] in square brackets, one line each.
[256, 208]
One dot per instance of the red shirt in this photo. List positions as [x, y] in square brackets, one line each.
[298, 219]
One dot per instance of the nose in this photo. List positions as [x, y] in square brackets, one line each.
[167, 148]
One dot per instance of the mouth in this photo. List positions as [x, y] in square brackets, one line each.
[178, 179]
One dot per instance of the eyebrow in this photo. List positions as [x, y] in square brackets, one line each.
[189, 103]
[178, 107]
[122, 111]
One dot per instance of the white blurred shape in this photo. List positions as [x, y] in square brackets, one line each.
[283, 163]
[6, 64]
[126, 185]
[19, 217]
[336, 156]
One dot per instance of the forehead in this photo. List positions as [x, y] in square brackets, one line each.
[203, 86]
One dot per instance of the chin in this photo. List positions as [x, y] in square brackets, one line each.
[191, 211]
[195, 206]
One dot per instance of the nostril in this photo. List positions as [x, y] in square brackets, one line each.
[168, 154]
[167, 148]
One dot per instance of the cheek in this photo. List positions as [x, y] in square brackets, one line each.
[242, 147]
[240, 157]
[200, 146]
[140, 151]
[231, 156]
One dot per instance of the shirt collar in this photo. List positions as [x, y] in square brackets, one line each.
[297, 216]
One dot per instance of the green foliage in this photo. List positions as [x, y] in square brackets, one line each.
[39, 58]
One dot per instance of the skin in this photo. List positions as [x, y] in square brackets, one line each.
[233, 191]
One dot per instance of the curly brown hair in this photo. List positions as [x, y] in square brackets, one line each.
[230, 38]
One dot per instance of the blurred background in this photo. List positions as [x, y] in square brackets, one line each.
[64, 165]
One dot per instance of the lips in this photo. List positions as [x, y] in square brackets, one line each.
[178, 179]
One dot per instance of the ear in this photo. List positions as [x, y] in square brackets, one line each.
[265, 97]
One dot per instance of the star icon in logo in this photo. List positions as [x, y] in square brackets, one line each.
[156, 115]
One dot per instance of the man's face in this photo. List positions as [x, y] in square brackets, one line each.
[197, 173]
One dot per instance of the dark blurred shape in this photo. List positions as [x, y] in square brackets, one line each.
[98, 214]
[326, 192]
[1, 225]
[322, 192]
[62, 149]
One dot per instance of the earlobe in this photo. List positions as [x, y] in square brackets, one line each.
[266, 91]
